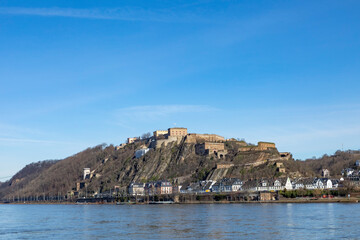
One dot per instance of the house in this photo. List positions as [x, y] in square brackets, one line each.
[280, 184]
[347, 172]
[322, 183]
[335, 183]
[227, 185]
[276, 185]
[315, 183]
[288, 184]
[137, 189]
[163, 187]
[132, 139]
[325, 173]
[141, 152]
[354, 177]
[86, 174]
[263, 185]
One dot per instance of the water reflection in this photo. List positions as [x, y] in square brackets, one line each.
[216, 221]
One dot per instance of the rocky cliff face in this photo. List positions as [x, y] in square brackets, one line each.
[177, 162]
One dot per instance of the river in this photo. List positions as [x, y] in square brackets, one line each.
[198, 221]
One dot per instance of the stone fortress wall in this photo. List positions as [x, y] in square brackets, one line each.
[201, 138]
[262, 146]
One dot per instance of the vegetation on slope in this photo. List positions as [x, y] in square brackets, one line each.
[175, 162]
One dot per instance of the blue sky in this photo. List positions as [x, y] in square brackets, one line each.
[75, 74]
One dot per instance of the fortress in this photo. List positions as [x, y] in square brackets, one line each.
[262, 146]
[205, 144]
[201, 138]
[208, 148]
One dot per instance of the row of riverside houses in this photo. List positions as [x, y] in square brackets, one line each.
[233, 185]
[351, 175]
[282, 183]
[152, 188]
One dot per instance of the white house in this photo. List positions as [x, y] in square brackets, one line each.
[141, 152]
[314, 183]
[137, 189]
[288, 184]
[86, 173]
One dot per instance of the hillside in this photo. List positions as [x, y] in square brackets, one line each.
[334, 163]
[177, 162]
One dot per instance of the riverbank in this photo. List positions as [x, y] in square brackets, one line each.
[290, 200]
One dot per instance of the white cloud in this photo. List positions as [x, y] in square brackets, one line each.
[125, 13]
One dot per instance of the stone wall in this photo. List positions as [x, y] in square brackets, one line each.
[166, 141]
[209, 148]
[201, 138]
[262, 146]
[224, 165]
[285, 155]
[265, 145]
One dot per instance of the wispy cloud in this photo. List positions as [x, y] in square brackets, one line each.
[125, 13]
[158, 111]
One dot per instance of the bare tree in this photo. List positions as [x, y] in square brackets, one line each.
[146, 135]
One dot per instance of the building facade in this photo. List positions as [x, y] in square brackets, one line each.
[137, 189]
[209, 148]
[177, 132]
[132, 139]
[159, 133]
[141, 152]
[86, 174]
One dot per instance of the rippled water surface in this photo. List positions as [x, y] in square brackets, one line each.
[212, 221]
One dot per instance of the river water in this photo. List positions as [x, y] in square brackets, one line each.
[201, 221]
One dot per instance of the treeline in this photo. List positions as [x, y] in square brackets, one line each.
[314, 193]
[334, 163]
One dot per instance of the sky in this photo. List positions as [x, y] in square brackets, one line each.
[75, 74]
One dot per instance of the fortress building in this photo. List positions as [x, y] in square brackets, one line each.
[201, 138]
[265, 145]
[159, 133]
[208, 148]
[132, 139]
[177, 132]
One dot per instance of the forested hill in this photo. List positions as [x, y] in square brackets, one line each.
[334, 163]
[176, 162]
